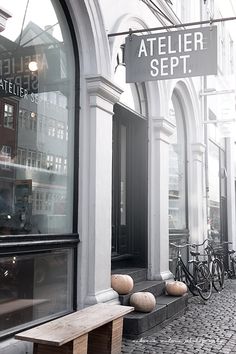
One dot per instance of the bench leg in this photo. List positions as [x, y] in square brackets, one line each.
[106, 339]
[77, 346]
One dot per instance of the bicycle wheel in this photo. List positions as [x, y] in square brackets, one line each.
[233, 261]
[217, 275]
[181, 275]
[203, 281]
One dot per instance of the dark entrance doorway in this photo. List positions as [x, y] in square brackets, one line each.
[129, 189]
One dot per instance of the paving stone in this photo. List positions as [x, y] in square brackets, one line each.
[204, 328]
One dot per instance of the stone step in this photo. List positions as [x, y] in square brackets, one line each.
[138, 274]
[155, 287]
[137, 324]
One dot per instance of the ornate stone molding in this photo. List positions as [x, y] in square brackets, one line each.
[108, 295]
[163, 129]
[198, 150]
[101, 89]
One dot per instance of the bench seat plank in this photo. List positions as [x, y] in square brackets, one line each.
[69, 327]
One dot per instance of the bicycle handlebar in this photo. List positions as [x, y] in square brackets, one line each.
[180, 246]
[200, 244]
[195, 245]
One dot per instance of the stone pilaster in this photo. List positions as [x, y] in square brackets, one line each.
[158, 245]
[102, 96]
[197, 206]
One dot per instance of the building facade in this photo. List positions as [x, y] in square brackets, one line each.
[97, 174]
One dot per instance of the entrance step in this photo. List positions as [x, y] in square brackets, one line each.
[153, 286]
[138, 274]
[136, 324]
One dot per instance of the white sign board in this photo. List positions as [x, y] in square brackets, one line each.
[171, 55]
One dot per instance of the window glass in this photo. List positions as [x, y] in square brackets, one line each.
[214, 191]
[34, 287]
[36, 119]
[177, 174]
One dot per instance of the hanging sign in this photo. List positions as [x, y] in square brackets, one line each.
[171, 55]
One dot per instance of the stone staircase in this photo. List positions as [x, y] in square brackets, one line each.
[137, 324]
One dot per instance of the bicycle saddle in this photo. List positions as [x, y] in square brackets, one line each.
[231, 251]
[194, 254]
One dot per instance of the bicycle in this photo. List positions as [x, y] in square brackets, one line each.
[199, 281]
[230, 263]
[215, 265]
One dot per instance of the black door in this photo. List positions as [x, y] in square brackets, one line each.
[129, 190]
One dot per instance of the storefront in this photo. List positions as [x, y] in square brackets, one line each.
[97, 173]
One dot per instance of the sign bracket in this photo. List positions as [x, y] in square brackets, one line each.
[188, 24]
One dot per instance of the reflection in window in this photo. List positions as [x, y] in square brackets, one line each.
[65, 166]
[35, 103]
[34, 287]
[6, 156]
[8, 116]
[214, 191]
[50, 162]
[52, 128]
[177, 174]
[58, 163]
[60, 131]
[31, 159]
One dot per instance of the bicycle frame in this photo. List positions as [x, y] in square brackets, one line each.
[190, 278]
[215, 265]
[199, 280]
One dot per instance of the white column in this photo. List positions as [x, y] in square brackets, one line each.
[102, 96]
[158, 223]
[196, 204]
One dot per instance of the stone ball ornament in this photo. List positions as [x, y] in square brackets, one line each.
[122, 283]
[143, 301]
[176, 288]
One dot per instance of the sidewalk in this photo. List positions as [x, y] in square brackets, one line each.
[205, 328]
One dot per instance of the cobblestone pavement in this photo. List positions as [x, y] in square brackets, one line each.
[205, 328]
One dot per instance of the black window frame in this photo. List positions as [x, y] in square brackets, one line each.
[22, 244]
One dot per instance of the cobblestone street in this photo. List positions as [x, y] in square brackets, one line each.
[204, 328]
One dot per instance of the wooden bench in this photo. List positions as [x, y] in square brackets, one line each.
[96, 330]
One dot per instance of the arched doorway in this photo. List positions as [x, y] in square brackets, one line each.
[129, 178]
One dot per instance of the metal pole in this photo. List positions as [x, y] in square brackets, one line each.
[211, 21]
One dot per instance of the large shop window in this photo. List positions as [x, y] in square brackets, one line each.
[37, 81]
[177, 168]
[217, 192]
